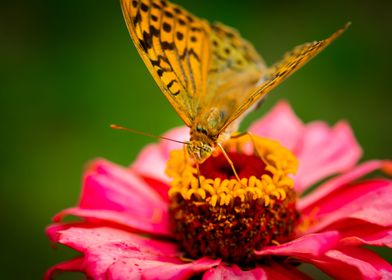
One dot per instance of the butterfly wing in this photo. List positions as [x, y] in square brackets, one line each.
[175, 47]
[291, 62]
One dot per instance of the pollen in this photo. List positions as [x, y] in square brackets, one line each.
[215, 214]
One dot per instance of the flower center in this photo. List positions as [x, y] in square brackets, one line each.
[216, 215]
[245, 165]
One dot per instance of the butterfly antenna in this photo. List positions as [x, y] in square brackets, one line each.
[118, 127]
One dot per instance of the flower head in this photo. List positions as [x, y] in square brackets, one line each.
[215, 214]
[137, 222]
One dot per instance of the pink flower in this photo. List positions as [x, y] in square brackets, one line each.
[125, 229]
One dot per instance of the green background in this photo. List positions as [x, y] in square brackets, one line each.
[68, 70]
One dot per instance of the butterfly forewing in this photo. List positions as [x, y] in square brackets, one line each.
[291, 62]
[175, 47]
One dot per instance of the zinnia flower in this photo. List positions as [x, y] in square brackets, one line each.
[139, 223]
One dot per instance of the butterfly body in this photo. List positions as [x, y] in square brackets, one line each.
[208, 72]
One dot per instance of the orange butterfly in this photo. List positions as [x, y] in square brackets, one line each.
[210, 75]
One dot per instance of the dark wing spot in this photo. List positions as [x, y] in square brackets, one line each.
[160, 72]
[154, 18]
[137, 19]
[168, 14]
[189, 18]
[166, 27]
[193, 39]
[230, 34]
[155, 5]
[169, 85]
[181, 21]
[184, 54]
[134, 3]
[215, 28]
[167, 46]
[144, 7]
[227, 50]
[177, 10]
[147, 38]
[144, 47]
[192, 52]
[180, 36]
[163, 3]
[154, 32]
[159, 61]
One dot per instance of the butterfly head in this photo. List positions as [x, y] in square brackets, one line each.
[199, 150]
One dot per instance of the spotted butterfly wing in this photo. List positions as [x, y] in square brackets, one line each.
[175, 47]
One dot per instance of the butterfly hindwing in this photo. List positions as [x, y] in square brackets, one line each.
[230, 52]
[235, 69]
[175, 47]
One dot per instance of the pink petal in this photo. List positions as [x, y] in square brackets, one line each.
[159, 186]
[325, 151]
[234, 272]
[336, 148]
[151, 163]
[312, 200]
[358, 238]
[369, 201]
[305, 247]
[354, 263]
[284, 272]
[84, 237]
[151, 269]
[357, 232]
[115, 194]
[180, 134]
[71, 265]
[117, 254]
[280, 124]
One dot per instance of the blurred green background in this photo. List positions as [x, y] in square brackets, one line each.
[68, 70]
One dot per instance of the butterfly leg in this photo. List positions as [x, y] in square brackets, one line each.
[185, 155]
[198, 174]
[186, 158]
[230, 162]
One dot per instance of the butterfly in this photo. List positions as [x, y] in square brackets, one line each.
[207, 71]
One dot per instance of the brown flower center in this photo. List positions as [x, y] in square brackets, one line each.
[217, 216]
